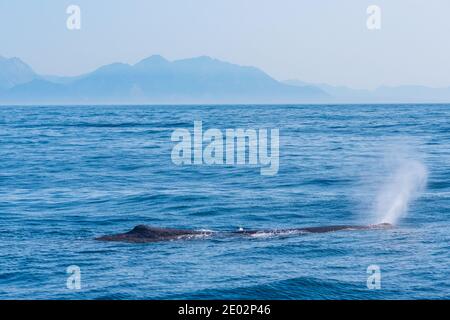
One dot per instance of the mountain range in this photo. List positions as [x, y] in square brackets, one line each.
[152, 80]
[196, 80]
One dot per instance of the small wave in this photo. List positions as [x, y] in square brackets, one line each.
[295, 288]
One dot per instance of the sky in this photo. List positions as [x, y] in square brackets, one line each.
[320, 41]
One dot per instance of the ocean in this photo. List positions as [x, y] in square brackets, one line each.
[69, 174]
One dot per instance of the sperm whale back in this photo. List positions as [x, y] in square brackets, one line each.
[144, 233]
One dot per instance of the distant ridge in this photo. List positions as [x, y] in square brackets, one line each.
[382, 94]
[198, 80]
[154, 80]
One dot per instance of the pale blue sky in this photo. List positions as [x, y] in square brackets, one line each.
[316, 41]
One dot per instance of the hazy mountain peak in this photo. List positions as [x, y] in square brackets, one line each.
[14, 71]
[15, 62]
[200, 60]
[204, 58]
[153, 59]
[113, 68]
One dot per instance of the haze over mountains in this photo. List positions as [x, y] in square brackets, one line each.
[153, 80]
[196, 80]
[382, 94]
[13, 72]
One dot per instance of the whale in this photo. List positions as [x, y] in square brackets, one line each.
[144, 233]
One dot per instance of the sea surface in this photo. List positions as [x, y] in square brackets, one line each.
[69, 174]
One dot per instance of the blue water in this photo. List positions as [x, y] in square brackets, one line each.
[69, 174]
